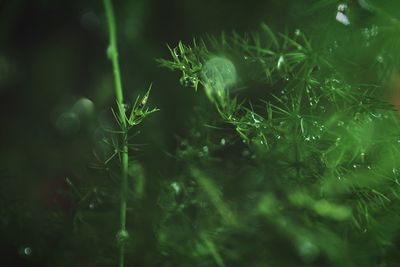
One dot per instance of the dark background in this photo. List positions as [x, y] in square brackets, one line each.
[52, 53]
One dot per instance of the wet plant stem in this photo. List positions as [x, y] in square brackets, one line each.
[112, 53]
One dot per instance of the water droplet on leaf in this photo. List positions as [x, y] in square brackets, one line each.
[281, 61]
[362, 155]
[342, 7]
[341, 15]
[342, 18]
[218, 73]
[175, 186]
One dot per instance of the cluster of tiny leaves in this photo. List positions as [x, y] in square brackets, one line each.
[305, 175]
[97, 199]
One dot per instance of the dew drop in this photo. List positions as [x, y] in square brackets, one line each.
[378, 115]
[205, 149]
[223, 141]
[362, 155]
[219, 73]
[281, 61]
[342, 18]
[126, 107]
[27, 251]
[342, 7]
[175, 186]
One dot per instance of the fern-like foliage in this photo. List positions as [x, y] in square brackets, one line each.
[310, 163]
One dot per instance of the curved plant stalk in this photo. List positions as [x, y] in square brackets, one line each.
[112, 53]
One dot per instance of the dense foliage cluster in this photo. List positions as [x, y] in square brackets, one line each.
[297, 167]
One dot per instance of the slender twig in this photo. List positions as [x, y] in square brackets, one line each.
[112, 52]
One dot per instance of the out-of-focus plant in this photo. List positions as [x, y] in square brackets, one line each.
[320, 159]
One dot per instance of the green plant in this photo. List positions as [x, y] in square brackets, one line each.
[315, 168]
[285, 153]
[138, 112]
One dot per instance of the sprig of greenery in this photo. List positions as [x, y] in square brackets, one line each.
[138, 112]
[312, 130]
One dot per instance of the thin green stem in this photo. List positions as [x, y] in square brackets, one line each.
[112, 52]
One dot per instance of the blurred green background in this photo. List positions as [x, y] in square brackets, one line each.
[53, 55]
